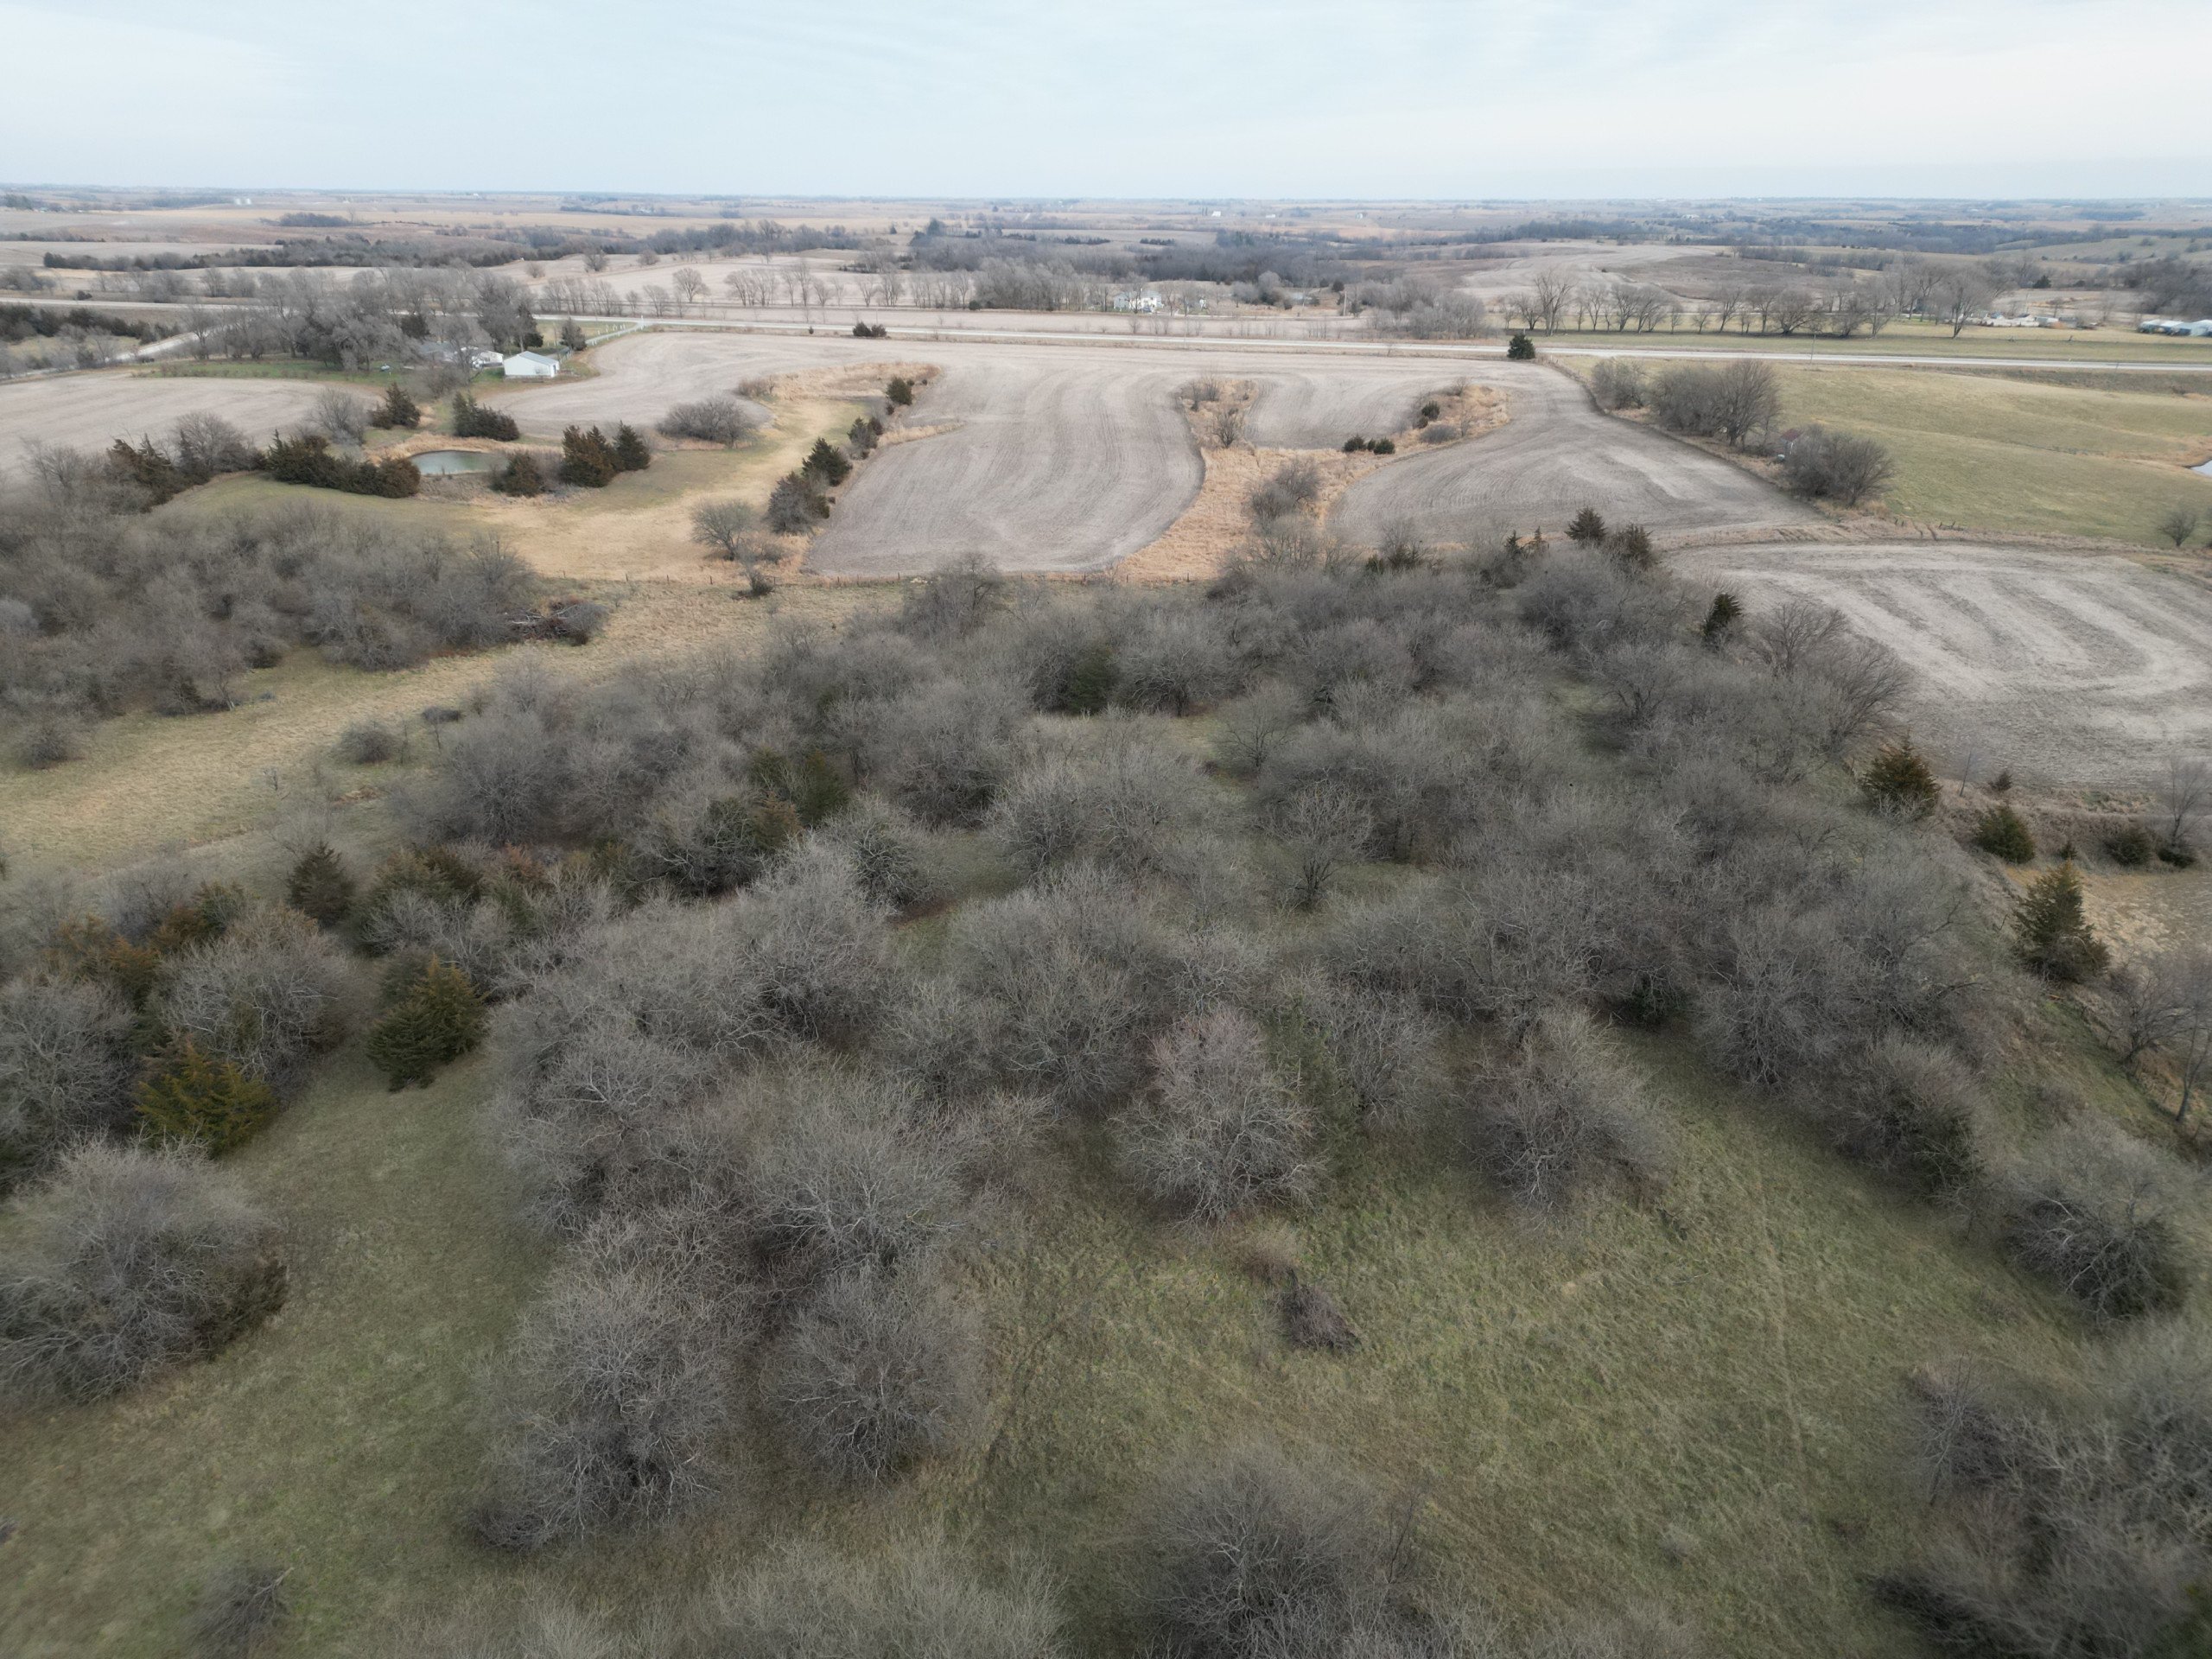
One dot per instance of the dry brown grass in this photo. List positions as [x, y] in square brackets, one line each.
[1217, 523]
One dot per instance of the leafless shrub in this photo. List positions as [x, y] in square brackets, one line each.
[1295, 487]
[1616, 382]
[65, 1071]
[1069, 975]
[1220, 1130]
[1839, 466]
[1419, 769]
[612, 1400]
[1324, 828]
[2064, 1529]
[944, 752]
[127, 1261]
[340, 416]
[1126, 803]
[842, 1182]
[889, 855]
[266, 996]
[878, 1372]
[1383, 1044]
[2088, 1210]
[710, 419]
[1738, 401]
[1565, 1115]
[239, 1611]
[1243, 1550]
[818, 945]
[1173, 660]
[914, 1599]
[1311, 1318]
[368, 743]
[2165, 1009]
[1910, 1108]
[1248, 731]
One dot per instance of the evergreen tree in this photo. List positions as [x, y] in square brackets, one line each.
[2001, 832]
[1588, 528]
[631, 454]
[2053, 930]
[587, 458]
[1898, 780]
[320, 887]
[199, 1097]
[397, 408]
[440, 1017]
[826, 463]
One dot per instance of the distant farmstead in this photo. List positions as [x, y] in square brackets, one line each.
[532, 366]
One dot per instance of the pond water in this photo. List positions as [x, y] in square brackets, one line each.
[444, 463]
[2206, 470]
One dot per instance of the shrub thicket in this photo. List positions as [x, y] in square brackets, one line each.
[710, 419]
[1221, 1128]
[1836, 467]
[473, 420]
[127, 1261]
[310, 460]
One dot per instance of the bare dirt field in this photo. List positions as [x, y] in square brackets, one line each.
[1317, 407]
[2067, 668]
[641, 376]
[90, 411]
[1556, 455]
[1059, 461]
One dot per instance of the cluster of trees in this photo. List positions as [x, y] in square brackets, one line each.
[801, 499]
[380, 315]
[308, 458]
[473, 420]
[104, 609]
[1740, 403]
[769, 1143]
[592, 460]
[1388, 715]
[1951, 292]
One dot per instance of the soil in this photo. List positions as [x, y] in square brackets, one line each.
[2069, 669]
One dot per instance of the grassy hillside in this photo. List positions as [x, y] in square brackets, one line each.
[1691, 1399]
[2009, 453]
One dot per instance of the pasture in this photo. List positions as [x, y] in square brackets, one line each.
[2105, 459]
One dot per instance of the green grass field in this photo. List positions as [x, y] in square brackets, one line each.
[2008, 453]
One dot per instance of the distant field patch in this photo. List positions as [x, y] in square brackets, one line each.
[2013, 454]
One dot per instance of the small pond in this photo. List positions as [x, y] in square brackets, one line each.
[2206, 470]
[444, 463]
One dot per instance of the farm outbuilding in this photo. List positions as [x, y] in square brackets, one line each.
[532, 366]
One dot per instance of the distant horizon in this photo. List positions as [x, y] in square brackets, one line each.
[1062, 199]
[1403, 100]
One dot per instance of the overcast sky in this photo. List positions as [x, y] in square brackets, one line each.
[1139, 97]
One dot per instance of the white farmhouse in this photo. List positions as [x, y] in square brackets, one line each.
[530, 365]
